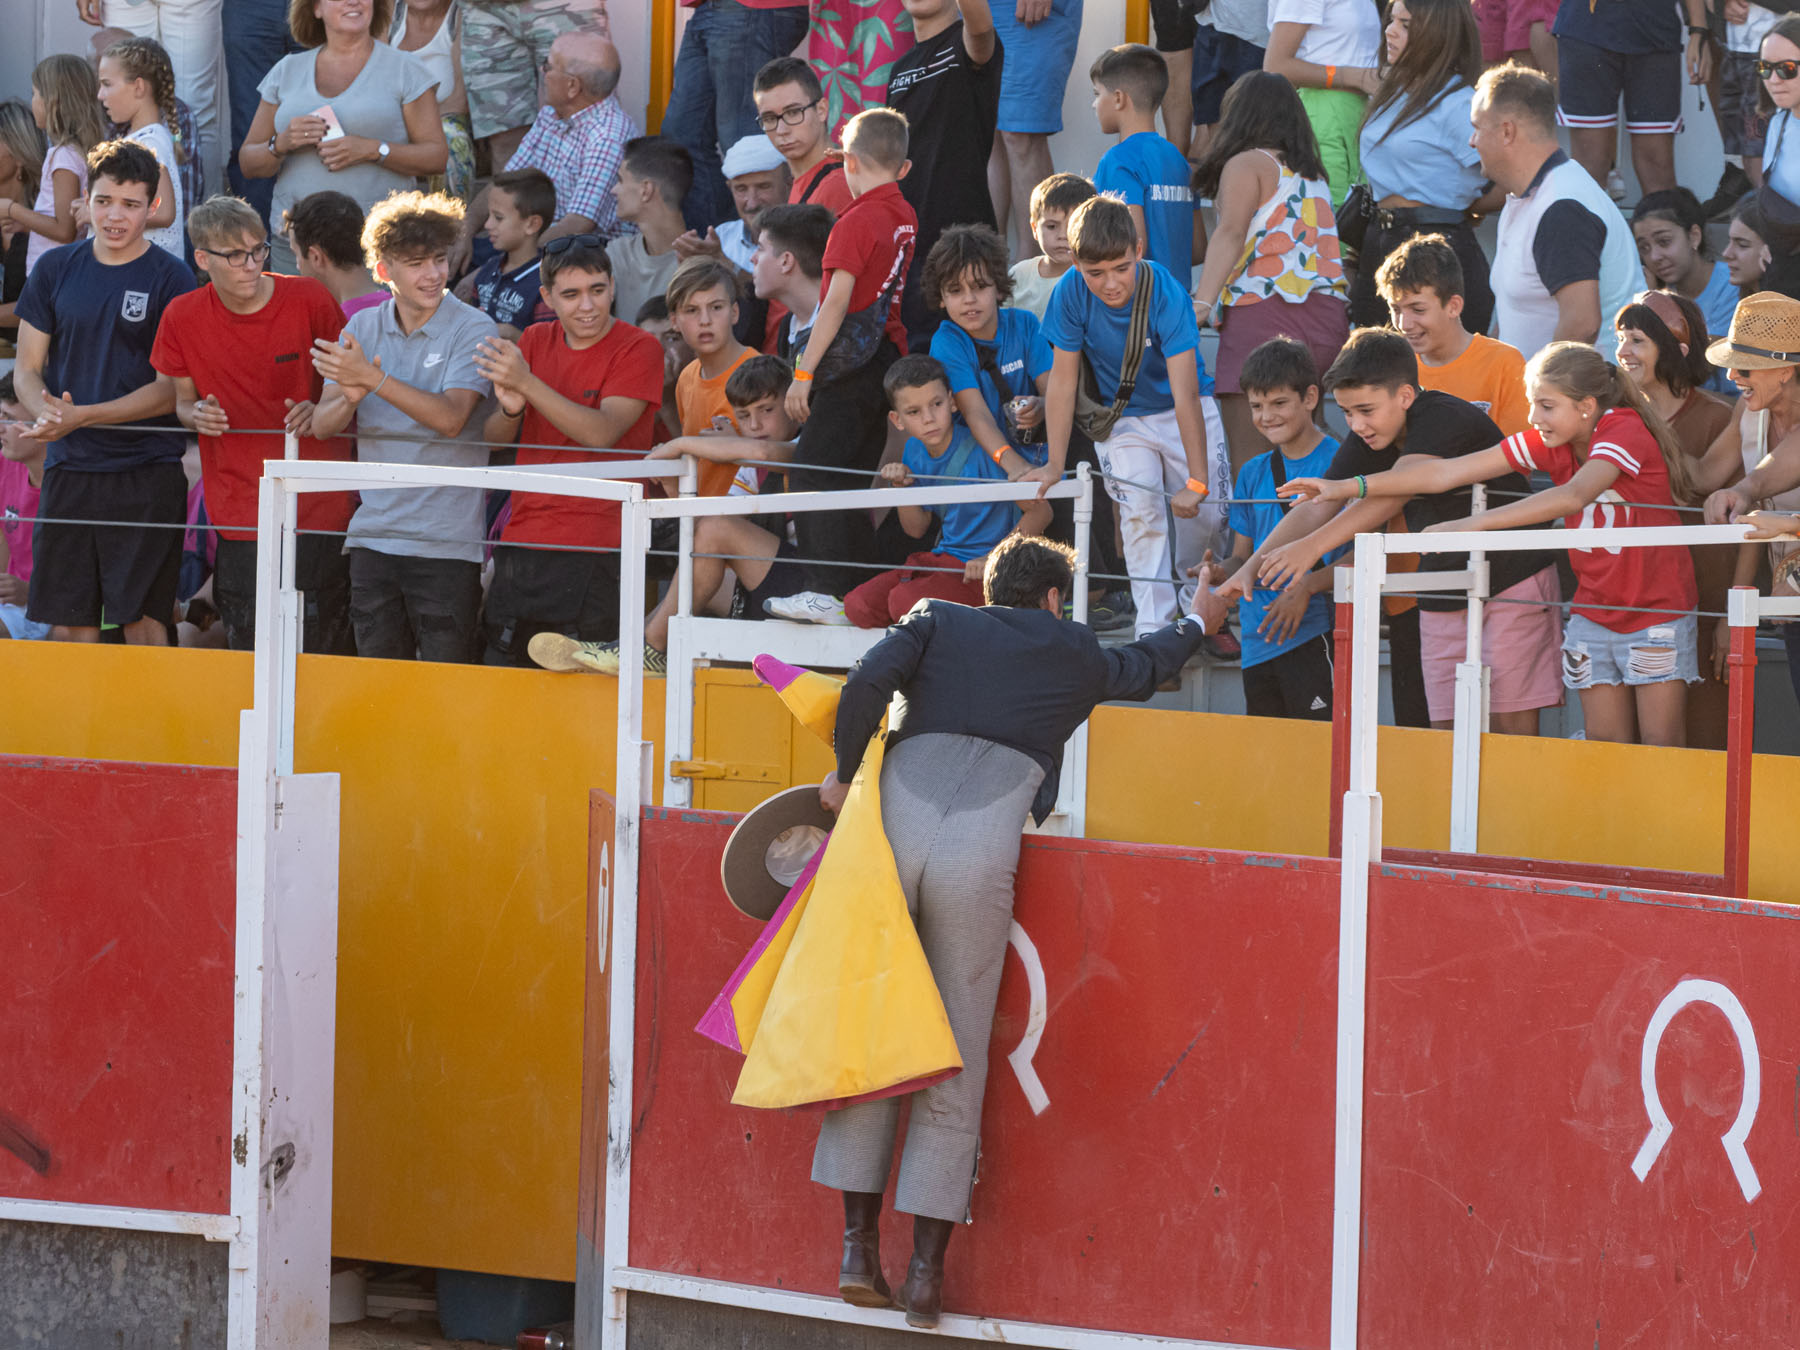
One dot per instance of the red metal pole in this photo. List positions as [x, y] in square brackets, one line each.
[1739, 741]
[1340, 726]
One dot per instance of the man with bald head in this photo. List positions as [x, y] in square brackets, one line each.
[505, 44]
[578, 138]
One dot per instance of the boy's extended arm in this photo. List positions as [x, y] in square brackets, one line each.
[33, 350]
[726, 449]
[980, 422]
[978, 30]
[1590, 480]
[1059, 413]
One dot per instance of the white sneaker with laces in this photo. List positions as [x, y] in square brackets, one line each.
[807, 607]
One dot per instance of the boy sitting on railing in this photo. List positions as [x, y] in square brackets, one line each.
[724, 546]
[942, 448]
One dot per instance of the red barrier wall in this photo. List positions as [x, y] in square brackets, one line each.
[1179, 1182]
[116, 904]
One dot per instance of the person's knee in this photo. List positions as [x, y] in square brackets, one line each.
[1019, 144]
[866, 606]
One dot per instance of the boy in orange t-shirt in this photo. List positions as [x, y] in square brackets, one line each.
[702, 298]
[1422, 283]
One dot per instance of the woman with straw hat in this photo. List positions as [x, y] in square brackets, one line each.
[1761, 353]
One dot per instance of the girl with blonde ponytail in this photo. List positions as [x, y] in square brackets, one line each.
[1630, 647]
[137, 89]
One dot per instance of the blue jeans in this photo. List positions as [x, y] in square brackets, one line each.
[710, 106]
[256, 37]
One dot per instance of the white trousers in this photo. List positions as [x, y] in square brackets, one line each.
[1143, 460]
[189, 31]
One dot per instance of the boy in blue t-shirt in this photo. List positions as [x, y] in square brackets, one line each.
[996, 357]
[1166, 452]
[1144, 170]
[1287, 634]
[938, 448]
[521, 205]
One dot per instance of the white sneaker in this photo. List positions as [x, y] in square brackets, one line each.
[807, 607]
[1615, 186]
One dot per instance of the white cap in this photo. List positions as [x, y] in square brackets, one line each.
[752, 154]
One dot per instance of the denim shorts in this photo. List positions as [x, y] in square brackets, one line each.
[1594, 655]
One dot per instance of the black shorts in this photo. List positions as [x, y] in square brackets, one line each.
[322, 573]
[540, 590]
[784, 578]
[404, 608]
[86, 575]
[1174, 22]
[1592, 80]
[1295, 684]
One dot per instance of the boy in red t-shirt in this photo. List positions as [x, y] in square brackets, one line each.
[585, 380]
[791, 108]
[852, 340]
[240, 353]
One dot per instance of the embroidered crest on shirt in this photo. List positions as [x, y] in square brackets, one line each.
[135, 306]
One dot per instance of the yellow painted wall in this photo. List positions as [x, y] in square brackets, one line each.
[464, 796]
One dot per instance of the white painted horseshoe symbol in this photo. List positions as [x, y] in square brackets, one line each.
[1021, 1055]
[1702, 991]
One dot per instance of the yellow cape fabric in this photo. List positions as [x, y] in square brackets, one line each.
[842, 1003]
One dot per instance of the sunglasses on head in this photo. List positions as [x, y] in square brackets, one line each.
[1777, 70]
[563, 243]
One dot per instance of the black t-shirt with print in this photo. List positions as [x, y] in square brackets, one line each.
[1443, 425]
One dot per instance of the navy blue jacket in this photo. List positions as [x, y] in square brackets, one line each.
[1022, 678]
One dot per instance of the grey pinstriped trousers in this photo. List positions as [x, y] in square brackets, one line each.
[954, 808]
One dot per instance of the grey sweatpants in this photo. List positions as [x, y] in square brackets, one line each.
[953, 808]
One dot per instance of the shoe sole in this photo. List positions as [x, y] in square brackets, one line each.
[864, 1295]
[924, 1321]
[560, 661]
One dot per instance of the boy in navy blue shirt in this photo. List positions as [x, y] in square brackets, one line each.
[521, 205]
[1144, 170]
[996, 357]
[1166, 452]
[87, 322]
[938, 447]
[1287, 634]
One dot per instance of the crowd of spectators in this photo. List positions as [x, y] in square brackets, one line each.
[352, 223]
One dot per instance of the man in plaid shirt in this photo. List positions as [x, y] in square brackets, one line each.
[578, 139]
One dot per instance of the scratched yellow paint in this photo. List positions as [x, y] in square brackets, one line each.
[464, 853]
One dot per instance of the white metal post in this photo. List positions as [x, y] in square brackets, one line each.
[620, 946]
[1470, 718]
[1361, 848]
[678, 687]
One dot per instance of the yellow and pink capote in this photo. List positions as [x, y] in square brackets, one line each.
[835, 1002]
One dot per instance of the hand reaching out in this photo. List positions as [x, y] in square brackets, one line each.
[60, 417]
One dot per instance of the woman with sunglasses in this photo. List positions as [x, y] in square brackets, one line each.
[1779, 71]
[349, 114]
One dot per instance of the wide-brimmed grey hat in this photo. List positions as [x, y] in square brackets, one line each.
[771, 847]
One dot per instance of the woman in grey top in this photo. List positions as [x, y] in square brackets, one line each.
[350, 114]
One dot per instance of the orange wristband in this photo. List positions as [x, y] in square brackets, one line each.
[1195, 485]
[1330, 77]
[803, 376]
[1000, 454]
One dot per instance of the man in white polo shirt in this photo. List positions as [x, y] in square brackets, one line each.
[1565, 264]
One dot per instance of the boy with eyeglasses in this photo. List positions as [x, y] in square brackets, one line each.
[240, 353]
[790, 107]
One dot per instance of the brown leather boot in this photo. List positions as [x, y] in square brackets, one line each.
[860, 1280]
[923, 1294]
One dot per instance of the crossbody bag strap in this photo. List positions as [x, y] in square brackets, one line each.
[1278, 474]
[989, 361]
[831, 167]
[1137, 333]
